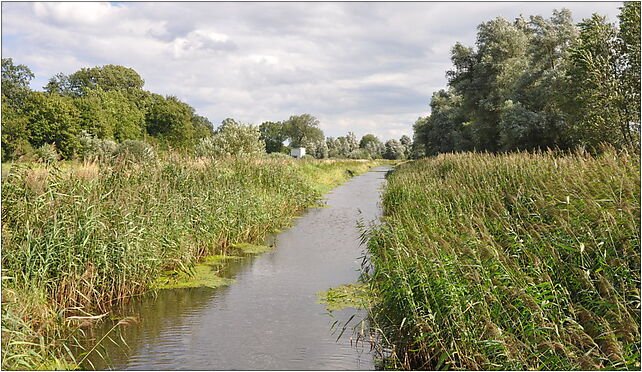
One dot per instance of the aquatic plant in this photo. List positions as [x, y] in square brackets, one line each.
[512, 261]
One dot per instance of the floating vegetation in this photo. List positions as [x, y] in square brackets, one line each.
[204, 274]
[248, 248]
[356, 296]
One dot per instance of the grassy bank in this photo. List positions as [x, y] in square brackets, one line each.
[79, 238]
[522, 261]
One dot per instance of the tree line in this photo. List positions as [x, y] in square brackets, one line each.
[101, 111]
[539, 83]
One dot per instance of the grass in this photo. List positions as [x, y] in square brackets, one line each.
[79, 238]
[518, 261]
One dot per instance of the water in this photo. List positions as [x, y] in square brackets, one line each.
[269, 318]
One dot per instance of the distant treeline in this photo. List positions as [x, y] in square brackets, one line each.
[539, 83]
[103, 111]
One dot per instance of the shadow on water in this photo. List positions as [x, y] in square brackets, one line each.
[269, 318]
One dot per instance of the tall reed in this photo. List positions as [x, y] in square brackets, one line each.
[78, 239]
[513, 261]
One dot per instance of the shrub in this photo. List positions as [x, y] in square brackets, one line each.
[232, 139]
[92, 148]
[47, 153]
[278, 155]
[135, 151]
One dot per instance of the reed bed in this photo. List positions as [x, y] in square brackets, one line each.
[510, 261]
[80, 238]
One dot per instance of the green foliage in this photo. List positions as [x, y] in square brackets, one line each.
[518, 262]
[273, 134]
[368, 138]
[15, 82]
[93, 148]
[539, 83]
[132, 151]
[170, 120]
[317, 149]
[110, 115]
[203, 128]
[47, 153]
[394, 150]
[302, 129]
[15, 133]
[53, 119]
[232, 139]
[107, 78]
[278, 155]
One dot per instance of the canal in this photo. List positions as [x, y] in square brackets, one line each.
[269, 318]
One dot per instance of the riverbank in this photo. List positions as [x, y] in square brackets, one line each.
[518, 261]
[79, 239]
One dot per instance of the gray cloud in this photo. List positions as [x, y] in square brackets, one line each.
[361, 67]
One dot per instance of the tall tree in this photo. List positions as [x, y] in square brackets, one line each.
[170, 120]
[109, 77]
[53, 119]
[592, 88]
[303, 128]
[15, 82]
[274, 134]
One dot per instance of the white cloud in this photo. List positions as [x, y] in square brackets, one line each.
[361, 67]
[75, 13]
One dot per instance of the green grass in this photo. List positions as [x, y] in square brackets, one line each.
[520, 261]
[78, 238]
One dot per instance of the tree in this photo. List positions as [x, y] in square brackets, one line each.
[628, 46]
[107, 78]
[15, 82]
[484, 78]
[53, 119]
[303, 128]
[110, 115]
[15, 133]
[372, 145]
[352, 142]
[593, 105]
[375, 149]
[367, 139]
[407, 144]
[203, 128]
[232, 139]
[170, 120]
[318, 149]
[394, 150]
[273, 134]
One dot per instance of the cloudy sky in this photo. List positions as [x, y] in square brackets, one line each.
[360, 67]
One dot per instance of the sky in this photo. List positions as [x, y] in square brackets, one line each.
[359, 67]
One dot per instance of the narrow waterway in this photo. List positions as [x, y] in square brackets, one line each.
[269, 318]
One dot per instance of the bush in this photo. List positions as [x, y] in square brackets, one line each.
[359, 154]
[278, 155]
[47, 153]
[92, 148]
[135, 151]
[232, 139]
